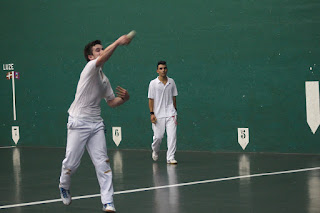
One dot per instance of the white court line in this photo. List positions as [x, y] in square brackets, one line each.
[6, 147]
[165, 186]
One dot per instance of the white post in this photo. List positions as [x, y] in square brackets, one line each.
[14, 97]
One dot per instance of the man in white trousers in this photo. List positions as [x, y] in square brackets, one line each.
[85, 125]
[163, 112]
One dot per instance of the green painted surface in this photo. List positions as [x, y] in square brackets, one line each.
[236, 64]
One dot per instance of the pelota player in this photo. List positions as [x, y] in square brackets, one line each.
[85, 125]
[162, 94]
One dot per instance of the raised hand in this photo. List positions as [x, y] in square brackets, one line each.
[122, 93]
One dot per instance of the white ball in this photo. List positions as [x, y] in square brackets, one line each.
[132, 34]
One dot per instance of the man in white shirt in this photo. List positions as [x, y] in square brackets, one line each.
[85, 125]
[163, 112]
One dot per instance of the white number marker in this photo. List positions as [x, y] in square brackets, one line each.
[15, 134]
[312, 105]
[243, 137]
[116, 135]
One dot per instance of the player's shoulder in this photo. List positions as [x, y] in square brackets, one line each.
[91, 64]
[153, 81]
[90, 67]
[171, 80]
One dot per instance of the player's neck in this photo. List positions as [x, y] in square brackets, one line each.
[163, 79]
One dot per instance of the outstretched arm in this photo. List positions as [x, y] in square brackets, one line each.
[106, 54]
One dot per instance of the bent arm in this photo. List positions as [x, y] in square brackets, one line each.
[115, 102]
[123, 96]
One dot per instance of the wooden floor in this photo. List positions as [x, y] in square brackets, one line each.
[201, 182]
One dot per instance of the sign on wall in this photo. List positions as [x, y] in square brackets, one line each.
[116, 135]
[312, 105]
[12, 75]
[243, 137]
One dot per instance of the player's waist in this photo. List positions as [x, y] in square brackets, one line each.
[88, 118]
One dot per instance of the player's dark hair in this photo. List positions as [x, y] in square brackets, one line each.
[88, 48]
[161, 62]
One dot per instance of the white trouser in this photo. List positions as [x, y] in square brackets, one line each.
[170, 125]
[83, 134]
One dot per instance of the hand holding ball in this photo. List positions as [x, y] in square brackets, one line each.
[132, 34]
[126, 39]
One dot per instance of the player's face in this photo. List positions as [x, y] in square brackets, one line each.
[162, 70]
[96, 51]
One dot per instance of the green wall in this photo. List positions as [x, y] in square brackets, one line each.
[236, 64]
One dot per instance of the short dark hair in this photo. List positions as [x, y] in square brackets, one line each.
[161, 62]
[88, 48]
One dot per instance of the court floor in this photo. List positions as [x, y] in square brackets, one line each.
[201, 182]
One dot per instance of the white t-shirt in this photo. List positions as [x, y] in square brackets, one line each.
[163, 97]
[92, 87]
